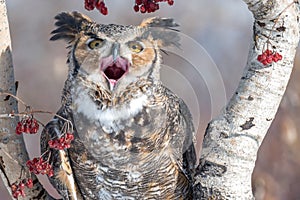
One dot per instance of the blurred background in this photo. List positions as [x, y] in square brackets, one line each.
[222, 28]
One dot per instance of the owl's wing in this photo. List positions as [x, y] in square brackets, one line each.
[189, 154]
[183, 139]
[63, 179]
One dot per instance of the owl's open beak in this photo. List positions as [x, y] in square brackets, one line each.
[113, 69]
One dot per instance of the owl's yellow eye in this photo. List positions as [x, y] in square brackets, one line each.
[135, 47]
[95, 43]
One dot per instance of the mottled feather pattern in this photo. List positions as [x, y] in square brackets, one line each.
[134, 138]
[69, 25]
[163, 30]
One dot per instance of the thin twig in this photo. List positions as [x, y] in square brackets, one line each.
[23, 114]
[15, 97]
[275, 22]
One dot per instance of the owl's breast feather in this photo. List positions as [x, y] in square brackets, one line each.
[109, 117]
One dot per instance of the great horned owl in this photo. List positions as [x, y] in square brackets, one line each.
[133, 137]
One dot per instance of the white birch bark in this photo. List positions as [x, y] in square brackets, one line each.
[12, 147]
[232, 139]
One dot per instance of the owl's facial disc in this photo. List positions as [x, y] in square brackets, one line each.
[114, 69]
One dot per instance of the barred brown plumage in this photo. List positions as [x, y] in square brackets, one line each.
[133, 138]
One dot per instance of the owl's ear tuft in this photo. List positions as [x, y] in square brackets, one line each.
[69, 25]
[159, 22]
[163, 30]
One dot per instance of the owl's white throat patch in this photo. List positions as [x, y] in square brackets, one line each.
[110, 117]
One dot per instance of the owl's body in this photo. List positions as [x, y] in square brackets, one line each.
[133, 137]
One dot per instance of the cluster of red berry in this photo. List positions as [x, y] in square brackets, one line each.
[149, 6]
[17, 189]
[62, 142]
[40, 166]
[27, 125]
[143, 6]
[98, 4]
[268, 56]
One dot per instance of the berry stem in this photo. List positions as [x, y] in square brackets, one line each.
[276, 21]
[21, 173]
[15, 97]
[44, 153]
[67, 127]
[28, 110]
[49, 156]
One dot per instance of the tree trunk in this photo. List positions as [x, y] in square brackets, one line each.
[232, 139]
[13, 154]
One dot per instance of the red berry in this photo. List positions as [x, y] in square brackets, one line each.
[104, 10]
[269, 59]
[18, 189]
[16, 194]
[99, 4]
[268, 52]
[28, 125]
[264, 56]
[89, 7]
[264, 62]
[278, 56]
[89, 4]
[69, 136]
[149, 5]
[61, 140]
[22, 193]
[50, 173]
[19, 128]
[136, 8]
[142, 9]
[38, 166]
[33, 130]
[138, 2]
[51, 143]
[29, 183]
[34, 126]
[140, 5]
[21, 185]
[28, 163]
[275, 59]
[26, 129]
[14, 187]
[152, 7]
[170, 2]
[268, 56]
[62, 143]
[259, 58]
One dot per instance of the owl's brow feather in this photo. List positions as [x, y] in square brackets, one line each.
[90, 34]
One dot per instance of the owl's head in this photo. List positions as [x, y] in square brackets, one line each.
[114, 56]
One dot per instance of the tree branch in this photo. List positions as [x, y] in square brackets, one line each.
[12, 147]
[232, 139]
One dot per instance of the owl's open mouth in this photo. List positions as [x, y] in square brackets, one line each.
[113, 70]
